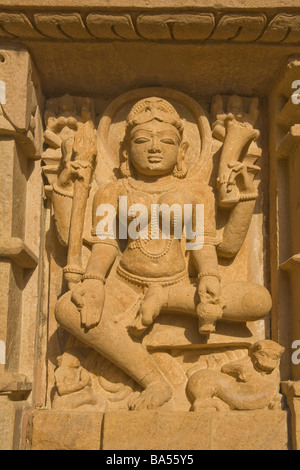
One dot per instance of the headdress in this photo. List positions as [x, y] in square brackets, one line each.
[150, 109]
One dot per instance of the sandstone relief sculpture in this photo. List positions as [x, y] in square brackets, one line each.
[74, 390]
[153, 151]
[246, 384]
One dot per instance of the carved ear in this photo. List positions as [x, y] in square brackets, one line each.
[184, 147]
[181, 169]
[125, 167]
[125, 153]
[182, 151]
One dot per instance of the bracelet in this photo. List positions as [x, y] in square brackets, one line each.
[95, 276]
[73, 269]
[248, 197]
[62, 192]
[208, 274]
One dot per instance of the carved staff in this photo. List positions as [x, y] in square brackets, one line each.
[84, 156]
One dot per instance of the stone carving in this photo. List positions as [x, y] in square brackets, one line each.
[130, 281]
[238, 127]
[74, 386]
[246, 384]
[234, 110]
[66, 117]
[20, 115]
[174, 26]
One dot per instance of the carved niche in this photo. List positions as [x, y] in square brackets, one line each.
[145, 315]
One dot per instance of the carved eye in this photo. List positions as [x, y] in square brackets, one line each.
[141, 140]
[168, 141]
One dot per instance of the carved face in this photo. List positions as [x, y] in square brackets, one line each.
[267, 354]
[155, 148]
[70, 361]
[266, 361]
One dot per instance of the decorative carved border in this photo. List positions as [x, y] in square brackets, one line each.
[144, 26]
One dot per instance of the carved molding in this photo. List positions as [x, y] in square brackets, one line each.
[14, 383]
[18, 251]
[144, 26]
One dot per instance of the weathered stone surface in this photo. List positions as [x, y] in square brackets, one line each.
[7, 414]
[292, 391]
[64, 431]
[255, 430]
[252, 430]
[156, 431]
[12, 410]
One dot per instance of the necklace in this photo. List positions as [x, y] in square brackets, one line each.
[141, 244]
[152, 188]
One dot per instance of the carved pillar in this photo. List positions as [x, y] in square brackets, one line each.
[290, 149]
[20, 234]
[292, 392]
[285, 216]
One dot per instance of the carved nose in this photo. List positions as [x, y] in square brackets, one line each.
[155, 147]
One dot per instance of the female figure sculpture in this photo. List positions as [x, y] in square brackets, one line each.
[110, 308]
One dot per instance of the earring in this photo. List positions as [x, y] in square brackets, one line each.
[125, 170]
[180, 170]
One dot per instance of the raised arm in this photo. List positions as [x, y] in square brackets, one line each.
[240, 217]
[237, 191]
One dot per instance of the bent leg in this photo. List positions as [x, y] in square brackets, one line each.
[244, 301]
[112, 340]
[204, 386]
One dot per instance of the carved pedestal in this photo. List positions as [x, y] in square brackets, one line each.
[153, 430]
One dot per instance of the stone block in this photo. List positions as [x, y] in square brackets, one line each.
[234, 430]
[250, 430]
[7, 417]
[152, 430]
[61, 430]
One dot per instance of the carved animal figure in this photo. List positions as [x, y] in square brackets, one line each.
[250, 383]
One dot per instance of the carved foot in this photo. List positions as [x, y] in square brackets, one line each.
[210, 404]
[137, 328]
[150, 309]
[151, 398]
[208, 315]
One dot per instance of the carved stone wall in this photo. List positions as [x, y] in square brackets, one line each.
[149, 105]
